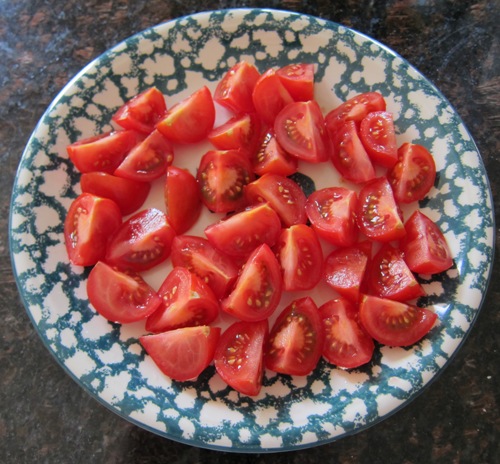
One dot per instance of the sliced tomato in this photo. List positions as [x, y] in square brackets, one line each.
[257, 291]
[182, 199]
[349, 155]
[128, 194]
[354, 109]
[238, 357]
[298, 79]
[282, 193]
[378, 135]
[395, 323]
[187, 301]
[272, 158]
[89, 224]
[103, 152]
[182, 354]
[300, 130]
[234, 91]
[270, 96]
[331, 211]
[390, 277]
[190, 120]
[300, 256]
[120, 297]
[239, 234]
[414, 174]
[346, 345]
[425, 248]
[198, 255]
[221, 177]
[142, 112]
[378, 215]
[345, 269]
[141, 242]
[296, 339]
[148, 160]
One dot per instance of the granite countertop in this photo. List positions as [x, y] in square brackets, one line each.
[47, 418]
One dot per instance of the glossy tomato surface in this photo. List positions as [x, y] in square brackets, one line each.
[298, 79]
[378, 135]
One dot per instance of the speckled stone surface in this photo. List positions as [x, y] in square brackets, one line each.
[47, 417]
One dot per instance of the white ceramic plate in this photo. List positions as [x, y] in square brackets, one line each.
[291, 412]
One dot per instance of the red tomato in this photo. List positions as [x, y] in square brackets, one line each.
[182, 199]
[300, 130]
[345, 269]
[182, 354]
[331, 212]
[283, 194]
[395, 323]
[349, 155]
[142, 242]
[270, 96]
[198, 256]
[128, 194]
[390, 277]
[298, 79]
[272, 158]
[190, 120]
[89, 224]
[296, 339]
[301, 257]
[239, 234]
[234, 91]
[354, 109]
[148, 160]
[187, 301]
[221, 177]
[238, 357]
[377, 213]
[425, 248]
[414, 174]
[103, 152]
[378, 135]
[120, 297]
[142, 112]
[257, 291]
[346, 343]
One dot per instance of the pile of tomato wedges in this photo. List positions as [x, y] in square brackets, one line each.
[269, 240]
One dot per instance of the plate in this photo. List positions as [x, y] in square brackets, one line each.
[291, 412]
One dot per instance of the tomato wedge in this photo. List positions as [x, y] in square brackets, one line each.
[296, 339]
[394, 323]
[346, 343]
[378, 136]
[298, 79]
[238, 357]
[257, 291]
[182, 354]
[120, 297]
[89, 224]
[272, 158]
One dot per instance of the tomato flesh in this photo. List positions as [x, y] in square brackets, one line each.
[298, 79]
[273, 159]
[378, 136]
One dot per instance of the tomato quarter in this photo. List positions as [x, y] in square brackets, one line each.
[378, 136]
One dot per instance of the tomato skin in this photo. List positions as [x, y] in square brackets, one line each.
[190, 120]
[425, 248]
[142, 242]
[273, 159]
[378, 136]
[142, 112]
[120, 297]
[296, 339]
[394, 323]
[128, 194]
[347, 344]
[298, 79]
[90, 222]
[238, 357]
[181, 199]
[187, 301]
[182, 354]
[413, 176]
[258, 289]
[332, 214]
